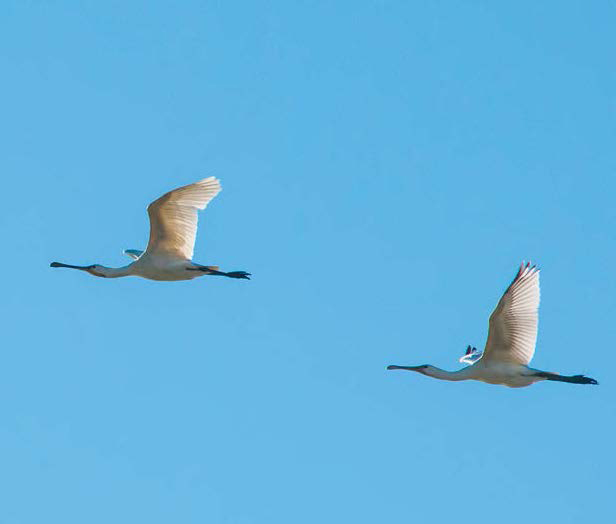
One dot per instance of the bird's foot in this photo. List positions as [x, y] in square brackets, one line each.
[581, 379]
[238, 274]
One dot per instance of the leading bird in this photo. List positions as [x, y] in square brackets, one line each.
[511, 342]
[173, 228]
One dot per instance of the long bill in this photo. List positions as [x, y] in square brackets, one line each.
[60, 264]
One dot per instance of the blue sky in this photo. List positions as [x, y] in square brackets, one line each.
[385, 168]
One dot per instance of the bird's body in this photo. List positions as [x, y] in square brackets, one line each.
[511, 342]
[156, 267]
[163, 267]
[501, 373]
[173, 229]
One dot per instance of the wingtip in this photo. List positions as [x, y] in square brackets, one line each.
[527, 268]
[211, 180]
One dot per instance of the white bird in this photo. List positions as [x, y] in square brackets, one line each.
[512, 335]
[173, 228]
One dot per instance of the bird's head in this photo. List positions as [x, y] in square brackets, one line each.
[95, 269]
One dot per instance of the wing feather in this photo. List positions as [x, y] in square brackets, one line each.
[512, 334]
[133, 253]
[173, 218]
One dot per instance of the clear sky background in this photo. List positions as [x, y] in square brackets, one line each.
[385, 168]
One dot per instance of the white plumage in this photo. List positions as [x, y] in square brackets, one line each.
[513, 324]
[173, 229]
[512, 336]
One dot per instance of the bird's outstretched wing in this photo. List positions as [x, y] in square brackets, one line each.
[513, 324]
[133, 253]
[173, 218]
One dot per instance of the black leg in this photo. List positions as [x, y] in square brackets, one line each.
[574, 379]
[231, 274]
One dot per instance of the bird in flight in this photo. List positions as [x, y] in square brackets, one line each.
[512, 335]
[173, 228]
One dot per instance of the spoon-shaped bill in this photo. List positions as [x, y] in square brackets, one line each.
[408, 368]
[60, 264]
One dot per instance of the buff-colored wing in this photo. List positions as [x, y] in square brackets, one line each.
[173, 218]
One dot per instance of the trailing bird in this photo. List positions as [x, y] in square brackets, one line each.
[173, 228]
[512, 336]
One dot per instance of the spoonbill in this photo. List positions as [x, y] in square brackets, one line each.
[512, 335]
[173, 228]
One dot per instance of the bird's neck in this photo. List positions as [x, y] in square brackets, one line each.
[114, 272]
[434, 372]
